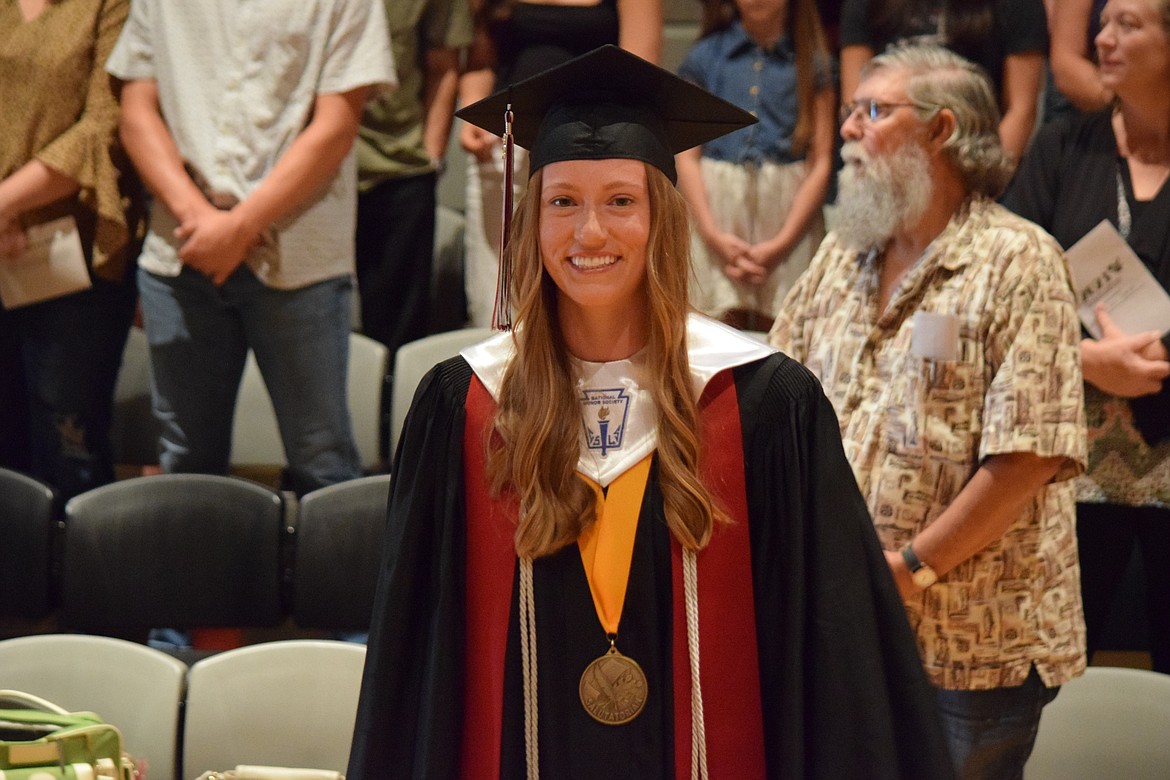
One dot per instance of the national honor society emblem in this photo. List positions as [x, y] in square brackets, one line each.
[604, 413]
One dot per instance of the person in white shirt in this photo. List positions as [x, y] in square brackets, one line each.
[241, 119]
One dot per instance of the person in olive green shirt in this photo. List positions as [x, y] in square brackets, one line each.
[401, 143]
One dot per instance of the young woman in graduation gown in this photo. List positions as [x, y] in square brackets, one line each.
[623, 540]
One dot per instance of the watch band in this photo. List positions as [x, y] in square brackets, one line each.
[920, 573]
[911, 558]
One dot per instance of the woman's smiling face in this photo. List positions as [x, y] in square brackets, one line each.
[1133, 46]
[594, 231]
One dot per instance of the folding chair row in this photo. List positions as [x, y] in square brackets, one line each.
[289, 703]
[191, 550]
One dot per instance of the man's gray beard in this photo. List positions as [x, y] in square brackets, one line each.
[886, 194]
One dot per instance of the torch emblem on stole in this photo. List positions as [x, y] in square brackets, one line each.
[604, 414]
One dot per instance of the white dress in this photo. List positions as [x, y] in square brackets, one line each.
[752, 203]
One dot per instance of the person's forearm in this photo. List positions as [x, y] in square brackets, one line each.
[690, 184]
[996, 495]
[475, 85]
[1023, 75]
[310, 162]
[809, 199]
[640, 28]
[150, 146]
[806, 203]
[1078, 80]
[1015, 130]
[853, 58]
[31, 186]
[1073, 72]
[439, 89]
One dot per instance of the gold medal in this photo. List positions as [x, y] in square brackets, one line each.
[613, 688]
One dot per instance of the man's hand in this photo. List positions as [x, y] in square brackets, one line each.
[897, 564]
[215, 242]
[1121, 364]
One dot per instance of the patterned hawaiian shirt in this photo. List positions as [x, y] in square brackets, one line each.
[920, 409]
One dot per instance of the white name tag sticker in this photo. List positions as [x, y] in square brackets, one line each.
[936, 336]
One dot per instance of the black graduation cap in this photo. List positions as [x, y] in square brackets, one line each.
[605, 104]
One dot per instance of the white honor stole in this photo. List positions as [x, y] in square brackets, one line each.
[618, 415]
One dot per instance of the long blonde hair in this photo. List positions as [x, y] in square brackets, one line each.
[539, 414]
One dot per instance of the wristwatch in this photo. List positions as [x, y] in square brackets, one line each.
[922, 575]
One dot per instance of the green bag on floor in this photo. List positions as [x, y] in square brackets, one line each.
[39, 741]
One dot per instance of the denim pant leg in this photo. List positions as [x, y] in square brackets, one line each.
[197, 352]
[72, 348]
[991, 733]
[14, 436]
[301, 341]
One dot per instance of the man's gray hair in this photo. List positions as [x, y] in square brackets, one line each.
[939, 78]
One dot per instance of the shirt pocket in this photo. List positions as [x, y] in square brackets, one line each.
[950, 402]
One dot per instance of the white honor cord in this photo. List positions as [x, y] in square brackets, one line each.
[528, 667]
[698, 724]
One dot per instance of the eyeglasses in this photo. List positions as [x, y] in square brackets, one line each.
[869, 110]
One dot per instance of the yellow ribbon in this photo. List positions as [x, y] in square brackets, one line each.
[607, 546]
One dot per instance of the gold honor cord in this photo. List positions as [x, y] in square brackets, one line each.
[613, 688]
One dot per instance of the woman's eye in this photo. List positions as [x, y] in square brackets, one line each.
[623, 200]
[561, 201]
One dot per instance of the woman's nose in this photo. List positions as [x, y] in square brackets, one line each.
[589, 229]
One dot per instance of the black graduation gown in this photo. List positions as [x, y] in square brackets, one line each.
[842, 689]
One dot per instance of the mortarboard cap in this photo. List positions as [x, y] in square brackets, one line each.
[607, 104]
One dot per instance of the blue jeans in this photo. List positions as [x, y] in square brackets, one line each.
[991, 733]
[60, 359]
[199, 337]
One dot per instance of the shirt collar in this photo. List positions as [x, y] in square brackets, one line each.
[956, 242]
[950, 248]
[740, 42]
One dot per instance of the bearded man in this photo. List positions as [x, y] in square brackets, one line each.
[944, 331]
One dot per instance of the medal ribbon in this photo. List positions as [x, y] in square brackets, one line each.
[607, 546]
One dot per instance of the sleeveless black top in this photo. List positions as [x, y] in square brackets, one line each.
[537, 37]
